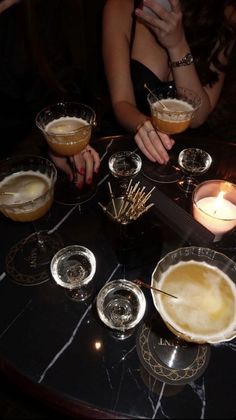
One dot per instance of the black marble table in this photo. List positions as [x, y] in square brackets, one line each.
[58, 350]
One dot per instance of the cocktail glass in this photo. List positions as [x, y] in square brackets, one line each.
[204, 311]
[121, 305]
[124, 166]
[67, 127]
[193, 162]
[73, 268]
[26, 195]
[172, 109]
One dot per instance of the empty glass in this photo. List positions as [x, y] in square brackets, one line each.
[121, 305]
[73, 268]
[124, 166]
[193, 162]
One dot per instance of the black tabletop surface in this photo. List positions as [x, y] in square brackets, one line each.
[59, 350]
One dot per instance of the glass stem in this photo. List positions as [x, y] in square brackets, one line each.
[74, 170]
[40, 239]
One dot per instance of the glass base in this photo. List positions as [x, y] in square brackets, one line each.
[122, 335]
[81, 294]
[68, 194]
[168, 358]
[163, 174]
[28, 262]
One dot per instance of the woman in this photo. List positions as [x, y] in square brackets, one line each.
[189, 45]
[37, 69]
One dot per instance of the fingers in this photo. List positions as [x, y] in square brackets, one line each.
[153, 144]
[87, 162]
[62, 163]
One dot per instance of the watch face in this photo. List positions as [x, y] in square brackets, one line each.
[188, 59]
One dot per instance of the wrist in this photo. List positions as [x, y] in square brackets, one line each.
[140, 124]
[179, 51]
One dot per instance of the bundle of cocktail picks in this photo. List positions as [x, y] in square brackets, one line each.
[131, 206]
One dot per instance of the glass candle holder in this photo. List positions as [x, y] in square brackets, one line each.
[214, 206]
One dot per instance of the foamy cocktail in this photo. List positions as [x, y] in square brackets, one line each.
[68, 136]
[205, 308]
[27, 194]
[67, 126]
[172, 111]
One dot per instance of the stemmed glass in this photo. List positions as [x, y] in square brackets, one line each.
[26, 195]
[124, 166]
[204, 311]
[67, 127]
[121, 305]
[73, 268]
[172, 109]
[193, 162]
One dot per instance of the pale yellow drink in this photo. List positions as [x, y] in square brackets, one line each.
[206, 304]
[25, 195]
[68, 136]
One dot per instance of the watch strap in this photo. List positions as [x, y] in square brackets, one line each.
[185, 61]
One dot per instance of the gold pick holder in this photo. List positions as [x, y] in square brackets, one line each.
[131, 206]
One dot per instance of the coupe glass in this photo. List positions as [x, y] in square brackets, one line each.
[172, 109]
[26, 194]
[193, 162]
[124, 166]
[204, 312]
[67, 127]
[121, 305]
[73, 268]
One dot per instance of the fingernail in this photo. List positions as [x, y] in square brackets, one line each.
[82, 171]
[70, 177]
[89, 181]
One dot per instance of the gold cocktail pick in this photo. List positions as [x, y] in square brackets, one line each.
[141, 283]
[154, 96]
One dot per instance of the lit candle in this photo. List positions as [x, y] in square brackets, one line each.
[215, 213]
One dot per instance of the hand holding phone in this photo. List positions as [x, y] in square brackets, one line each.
[164, 3]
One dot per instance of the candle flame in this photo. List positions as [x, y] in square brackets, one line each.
[218, 201]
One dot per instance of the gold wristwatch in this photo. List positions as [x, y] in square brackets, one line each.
[185, 61]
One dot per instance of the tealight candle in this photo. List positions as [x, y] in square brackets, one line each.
[214, 206]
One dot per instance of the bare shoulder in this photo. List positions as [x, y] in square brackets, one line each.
[117, 17]
[118, 9]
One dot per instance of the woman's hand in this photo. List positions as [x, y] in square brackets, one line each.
[153, 143]
[87, 163]
[6, 4]
[167, 26]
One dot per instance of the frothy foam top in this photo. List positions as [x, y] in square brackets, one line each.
[206, 304]
[25, 186]
[65, 125]
[173, 105]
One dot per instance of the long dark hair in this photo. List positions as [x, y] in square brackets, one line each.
[208, 33]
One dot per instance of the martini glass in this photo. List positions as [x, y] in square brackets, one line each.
[26, 195]
[172, 109]
[73, 268]
[121, 305]
[193, 162]
[67, 127]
